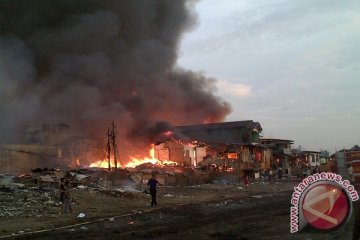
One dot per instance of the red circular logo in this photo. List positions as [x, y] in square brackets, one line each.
[325, 206]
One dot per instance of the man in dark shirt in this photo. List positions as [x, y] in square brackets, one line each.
[152, 184]
[65, 198]
[62, 194]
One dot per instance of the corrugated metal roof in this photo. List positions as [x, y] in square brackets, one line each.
[235, 124]
[274, 140]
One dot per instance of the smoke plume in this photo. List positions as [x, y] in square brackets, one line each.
[88, 62]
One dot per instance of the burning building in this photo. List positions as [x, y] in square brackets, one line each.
[230, 145]
[185, 154]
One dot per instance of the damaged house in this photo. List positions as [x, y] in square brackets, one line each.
[277, 154]
[231, 146]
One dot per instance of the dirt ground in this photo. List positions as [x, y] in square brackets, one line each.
[210, 211]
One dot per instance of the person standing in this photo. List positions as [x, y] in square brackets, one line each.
[280, 174]
[152, 183]
[270, 175]
[62, 194]
[246, 182]
[66, 197]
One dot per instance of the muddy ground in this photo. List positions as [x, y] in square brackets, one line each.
[210, 211]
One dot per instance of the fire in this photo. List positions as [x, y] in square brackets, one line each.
[166, 162]
[135, 161]
[102, 163]
[152, 159]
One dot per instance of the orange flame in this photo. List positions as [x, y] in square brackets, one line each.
[135, 161]
[103, 163]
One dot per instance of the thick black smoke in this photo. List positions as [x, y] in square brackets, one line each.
[86, 63]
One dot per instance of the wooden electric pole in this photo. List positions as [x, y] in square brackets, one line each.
[113, 135]
[108, 149]
[111, 143]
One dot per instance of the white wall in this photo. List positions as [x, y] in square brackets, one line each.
[314, 159]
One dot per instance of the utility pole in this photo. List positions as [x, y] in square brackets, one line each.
[113, 135]
[111, 143]
[108, 149]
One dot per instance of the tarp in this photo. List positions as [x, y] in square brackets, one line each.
[78, 176]
[48, 178]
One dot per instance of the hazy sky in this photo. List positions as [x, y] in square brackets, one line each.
[293, 66]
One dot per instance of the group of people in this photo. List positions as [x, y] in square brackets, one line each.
[307, 172]
[273, 174]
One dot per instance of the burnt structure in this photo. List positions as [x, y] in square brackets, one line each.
[232, 146]
[280, 154]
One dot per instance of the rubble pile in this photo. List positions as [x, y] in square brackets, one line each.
[27, 202]
[37, 194]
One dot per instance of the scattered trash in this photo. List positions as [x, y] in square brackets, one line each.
[83, 228]
[257, 196]
[19, 185]
[81, 215]
[28, 202]
[111, 219]
[168, 195]
[50, 202]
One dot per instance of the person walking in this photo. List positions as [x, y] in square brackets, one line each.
[152, 183]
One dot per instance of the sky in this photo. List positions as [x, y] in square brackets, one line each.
[293, 66]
